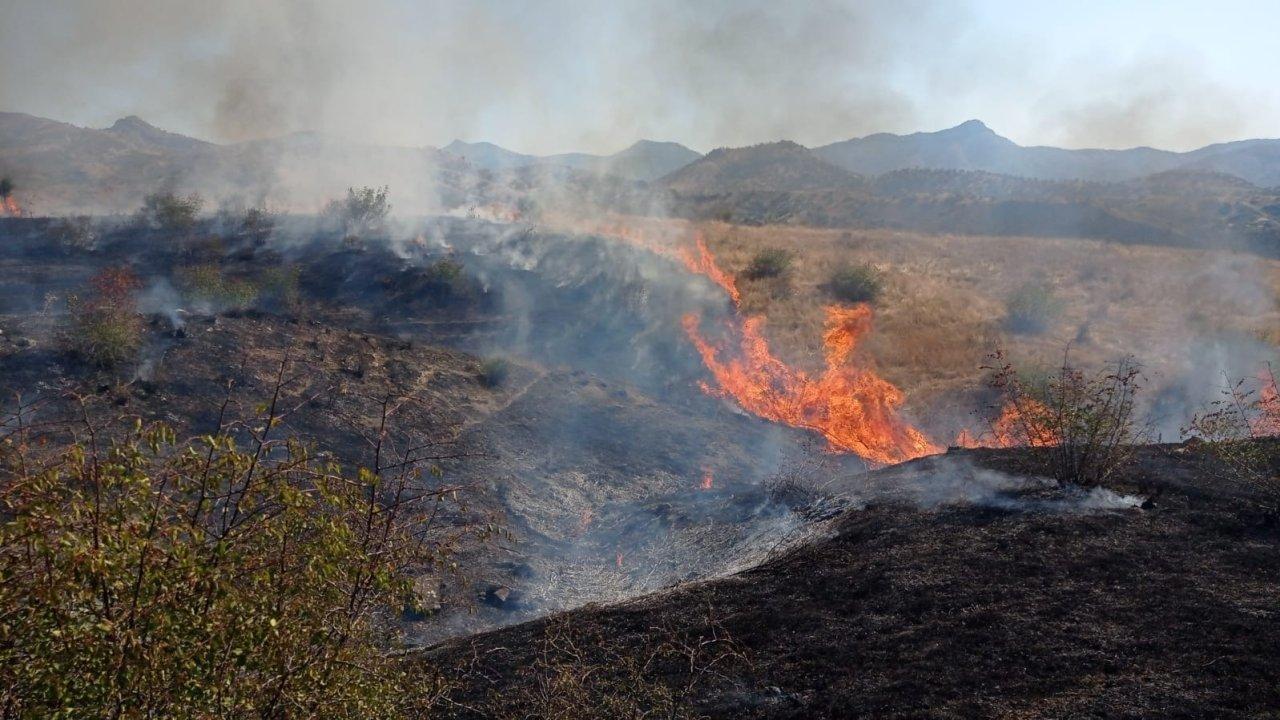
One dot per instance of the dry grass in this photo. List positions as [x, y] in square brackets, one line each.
[943, 304]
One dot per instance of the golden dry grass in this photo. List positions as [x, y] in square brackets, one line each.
[942, 308]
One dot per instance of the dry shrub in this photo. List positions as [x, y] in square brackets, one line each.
[1238, 429]
[1086, 421]
[170, 212]
[105, 329]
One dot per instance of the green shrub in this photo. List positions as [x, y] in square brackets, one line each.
[768, 263]
[167, 211]
[494, 372]
[148, 577]
[206, 283]
[856, 283]
[1031, 309]
[105, 329]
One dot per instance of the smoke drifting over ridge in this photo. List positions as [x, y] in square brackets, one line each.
[555, 76]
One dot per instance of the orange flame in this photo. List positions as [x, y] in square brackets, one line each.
[1268, 423]
[702, 262]
[851, 406]
[9, 206]
[708, 480]
[1021, 422]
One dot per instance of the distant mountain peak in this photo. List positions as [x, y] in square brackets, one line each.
[133, 123]
[972, 127]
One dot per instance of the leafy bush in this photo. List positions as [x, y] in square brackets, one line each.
[105, 328]
[167, 211]
[493, 372]
[1031, 309]
[149, 577]
[363, 211]
[1087, 421]
[768, 263]
[856, 283]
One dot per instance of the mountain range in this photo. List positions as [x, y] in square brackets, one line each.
[964, 179]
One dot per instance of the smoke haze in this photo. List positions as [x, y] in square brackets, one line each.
[555, 76]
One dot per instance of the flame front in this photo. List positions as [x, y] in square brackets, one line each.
[700, 260]
[9, 207]
[708, 479]
[852, 407]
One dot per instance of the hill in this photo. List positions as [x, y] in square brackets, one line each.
[779, 166]
[645, 160]
[61, 168]
[974, 146]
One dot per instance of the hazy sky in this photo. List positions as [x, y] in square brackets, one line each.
[561, 75]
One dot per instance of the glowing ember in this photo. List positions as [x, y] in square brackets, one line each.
[708, 480]
[9, 207]
[851, 406]
[1022, 421]
[619, 561]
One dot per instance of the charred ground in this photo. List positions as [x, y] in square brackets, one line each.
[990, 609]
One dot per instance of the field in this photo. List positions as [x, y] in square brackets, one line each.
[942, 308]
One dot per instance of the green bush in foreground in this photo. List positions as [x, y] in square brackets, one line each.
[149, 578]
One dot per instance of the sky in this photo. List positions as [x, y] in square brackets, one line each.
[564, 75]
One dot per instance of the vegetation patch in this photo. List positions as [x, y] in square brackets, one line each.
[856, 283]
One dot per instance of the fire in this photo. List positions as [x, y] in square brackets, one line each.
[851, 406]
[700, 260]
[618, 559]
[1268, 423]
[9, 207]
[708, 480]
[1021, 422]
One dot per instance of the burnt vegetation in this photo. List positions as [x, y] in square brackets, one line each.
[262, 464]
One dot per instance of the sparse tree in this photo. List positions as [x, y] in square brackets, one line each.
[362, 212]
[171, 212]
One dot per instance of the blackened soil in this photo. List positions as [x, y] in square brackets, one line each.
[1170, 610]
